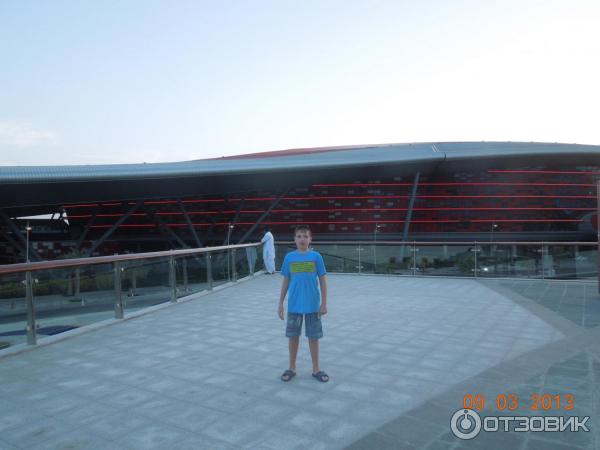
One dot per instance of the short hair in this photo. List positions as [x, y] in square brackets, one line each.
[302, 228]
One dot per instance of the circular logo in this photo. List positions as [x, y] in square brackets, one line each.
[465, 424]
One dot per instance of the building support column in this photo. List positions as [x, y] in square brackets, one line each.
[409, 212]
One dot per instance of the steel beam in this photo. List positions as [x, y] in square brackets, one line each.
[409, 212]
[190, 224]
[235, 218]
[11, 241]
[162, 226]
[112, 229]
[212, 220]
[261, 218]
[86, 230]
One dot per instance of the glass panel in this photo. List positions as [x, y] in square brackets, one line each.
[280, 251]
[260, 264]
[586, 262]
[368, 257]
[221, 267]
[13, 310]
[570, 261]
[445, 260]
[342, 258]
[144, 283]
[393, 259]
[559, 261]
[253, 258]
[243, 259]
[496, 260]
[70, 298]
[191, 274]
[518, 261]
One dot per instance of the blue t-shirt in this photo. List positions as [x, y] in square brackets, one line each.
[303, 270]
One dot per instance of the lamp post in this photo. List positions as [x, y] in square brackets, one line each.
[27, 230]
[375, 231]
[229, 230]
[494, 226]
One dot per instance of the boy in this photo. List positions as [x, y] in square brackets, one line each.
[301, 269]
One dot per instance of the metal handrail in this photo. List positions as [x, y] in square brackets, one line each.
[41, 265]
[116, 260]
[368, 242]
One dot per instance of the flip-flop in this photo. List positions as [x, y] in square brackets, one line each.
[321, 376]
[288, 375]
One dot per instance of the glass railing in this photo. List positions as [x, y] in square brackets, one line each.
[50, 297]
[543, 260]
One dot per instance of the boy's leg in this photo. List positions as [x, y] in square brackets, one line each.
[314, 332]
[314, 354]
[292, 331]
[294, 343]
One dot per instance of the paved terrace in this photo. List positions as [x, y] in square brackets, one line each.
[401, 352]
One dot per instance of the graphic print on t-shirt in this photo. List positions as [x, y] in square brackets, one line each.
[303, 267]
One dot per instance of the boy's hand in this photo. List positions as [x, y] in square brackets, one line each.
[280, 311]
[323, 309]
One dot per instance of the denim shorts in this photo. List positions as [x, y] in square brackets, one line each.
[313, 329]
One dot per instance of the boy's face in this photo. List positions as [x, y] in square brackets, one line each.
[302, 239]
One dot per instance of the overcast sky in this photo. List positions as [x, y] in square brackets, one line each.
[97, 82]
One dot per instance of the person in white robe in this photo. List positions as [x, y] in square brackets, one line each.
[268, 242]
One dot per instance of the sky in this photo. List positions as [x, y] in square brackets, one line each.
[131, 81]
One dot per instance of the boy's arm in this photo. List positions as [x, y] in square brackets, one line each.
[323, 285]
[284, 289]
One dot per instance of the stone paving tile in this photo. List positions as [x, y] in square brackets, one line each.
[111, 427]
[243, 431]
[153, 436]
[201, 442]
[274, 440]
[15, 416]
[34, 433]
[205, 373]
[6, 446]
[76, 439]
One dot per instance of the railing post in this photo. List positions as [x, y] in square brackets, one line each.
[185, 274]
[77, 281]
[118, 294]
[172, 279]
[476, 250]
[31, 331]
[543, 257]
[359, 263]
[414, 264]
[133, 281]
[228, 259]
[209, 278]
[233, 268]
